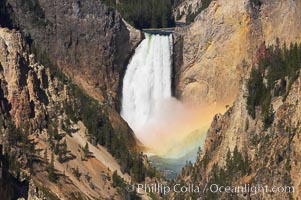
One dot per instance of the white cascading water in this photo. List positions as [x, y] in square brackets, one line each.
[147, 80]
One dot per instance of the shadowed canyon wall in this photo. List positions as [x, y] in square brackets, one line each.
[87, 40]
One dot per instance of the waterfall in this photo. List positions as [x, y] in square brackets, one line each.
[147, 80]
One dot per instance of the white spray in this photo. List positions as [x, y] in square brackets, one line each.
[160, 121]
[147, 80]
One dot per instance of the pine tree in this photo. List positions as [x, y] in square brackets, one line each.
[247, 163]
[64, 147]
[229, 162]
[46, 156]
[60, 157]
[199, 152]
[56, 148]
[117, 180]
[206, 159]
[86, 150]
[76, 173]
[269, 117]
[51, 170]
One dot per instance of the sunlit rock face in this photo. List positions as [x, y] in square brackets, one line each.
[211, 52]
[233, 32]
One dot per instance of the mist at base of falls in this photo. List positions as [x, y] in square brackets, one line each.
[165, 125]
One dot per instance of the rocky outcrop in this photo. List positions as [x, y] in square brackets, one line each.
[183, 8]
[14, 75]
[223, 39]
[219, 50]
[34, 193]
[87, 40]
[280, 19]
[273, 153]
[38, 111]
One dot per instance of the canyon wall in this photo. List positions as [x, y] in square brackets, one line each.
[273, 154]
[88, 41]
[40, 113]
[214, 50]
[218, 52]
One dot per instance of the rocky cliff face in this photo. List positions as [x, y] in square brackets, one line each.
[22, 80]
[87, 40]
[214, 57]
[274, 154]
[39, 117]
[213, 51]
[182, 8]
